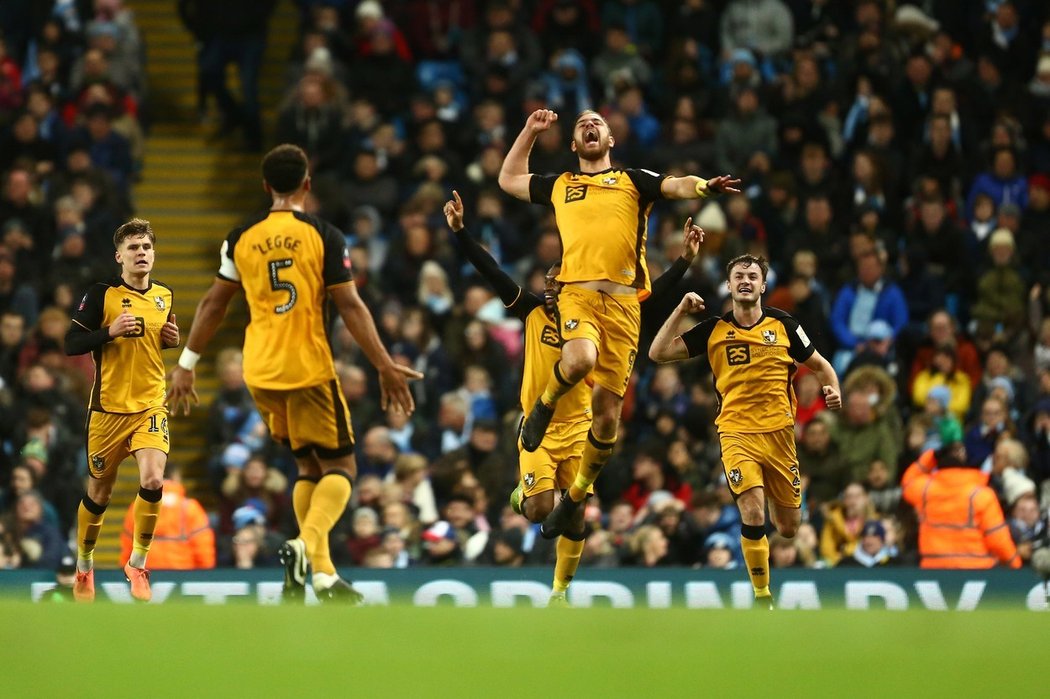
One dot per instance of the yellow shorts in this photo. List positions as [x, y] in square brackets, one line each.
[314, 419]
[555, 463]
[764, 459]
[612, 322]
[113, 437]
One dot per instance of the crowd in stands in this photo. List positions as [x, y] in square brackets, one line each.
[72, 92]
[896, 168]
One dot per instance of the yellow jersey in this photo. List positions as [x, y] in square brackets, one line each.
[286, 261]
[752, 368]
[542, 351]
[129, 370]
[603, 221]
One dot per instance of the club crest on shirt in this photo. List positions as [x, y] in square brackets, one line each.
[159, 300]
[609, 180]
[529, 480]
[572, 324]
[770, 336]
[735, 477]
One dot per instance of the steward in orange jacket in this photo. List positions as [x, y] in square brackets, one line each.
[961, 523]
[183, 539]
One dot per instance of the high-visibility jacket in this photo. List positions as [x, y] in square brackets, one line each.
[961, 524]
[183, 539]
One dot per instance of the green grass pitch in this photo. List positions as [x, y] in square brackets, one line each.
[241, 650]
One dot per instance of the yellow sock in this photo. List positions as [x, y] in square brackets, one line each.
[568, 561]
[326, 507]
[89, 522]
[557, 386]
[302, 493]
[755, 546]
[595, 454]
[147, 509]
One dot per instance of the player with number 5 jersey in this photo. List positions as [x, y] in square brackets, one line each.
[289, 263]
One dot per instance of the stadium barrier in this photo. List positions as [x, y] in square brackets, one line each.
[888, 588]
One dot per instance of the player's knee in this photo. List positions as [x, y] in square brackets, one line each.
[574, 369]
[152, 481]
[787, 529]
[751, 510]
[537, 507]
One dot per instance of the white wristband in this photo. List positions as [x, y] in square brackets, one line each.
[188, 359]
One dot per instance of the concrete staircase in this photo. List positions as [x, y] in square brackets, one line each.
[194, 189]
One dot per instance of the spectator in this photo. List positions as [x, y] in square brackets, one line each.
[410, 472]
[942, 332]
[1001, 290]
[1003, 183]
[942, 372]
[993, 425]
[256, 485]
[872, 550]
[960, 520]
[747, 131]
[822, 469]
[41, 544]
[183, 539]
[648, 546]
[23, 480]
[863, 435]
[1027, 526]
[858, 304]
[651, 474]
[844, 523]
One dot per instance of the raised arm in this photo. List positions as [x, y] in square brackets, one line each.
[693, 187]
[483, 262]
[692, 237]
[514, 176]
[668, 346]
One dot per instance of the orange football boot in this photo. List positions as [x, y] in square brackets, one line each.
[84, 586]
[139, 579]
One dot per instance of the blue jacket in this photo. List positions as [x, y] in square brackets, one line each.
[890, 307]
[1013, 191]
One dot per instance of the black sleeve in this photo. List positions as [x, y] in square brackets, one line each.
[696, 337]
[86, 333]
[336, 256]
[647, 183]
[509, 293]
[541, 188]
[663, 284]
[801, 348]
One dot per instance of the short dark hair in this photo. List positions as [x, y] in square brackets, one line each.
[284, 168]
[134, 227]
[746, 261]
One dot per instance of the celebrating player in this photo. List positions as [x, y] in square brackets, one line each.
[124, 323]
[752, 352]
[287, 262]
[555, 464]
[602, 214]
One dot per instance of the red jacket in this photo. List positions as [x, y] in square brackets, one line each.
[961, 523]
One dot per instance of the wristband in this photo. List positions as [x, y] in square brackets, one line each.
[701, 188]
[188, 359]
